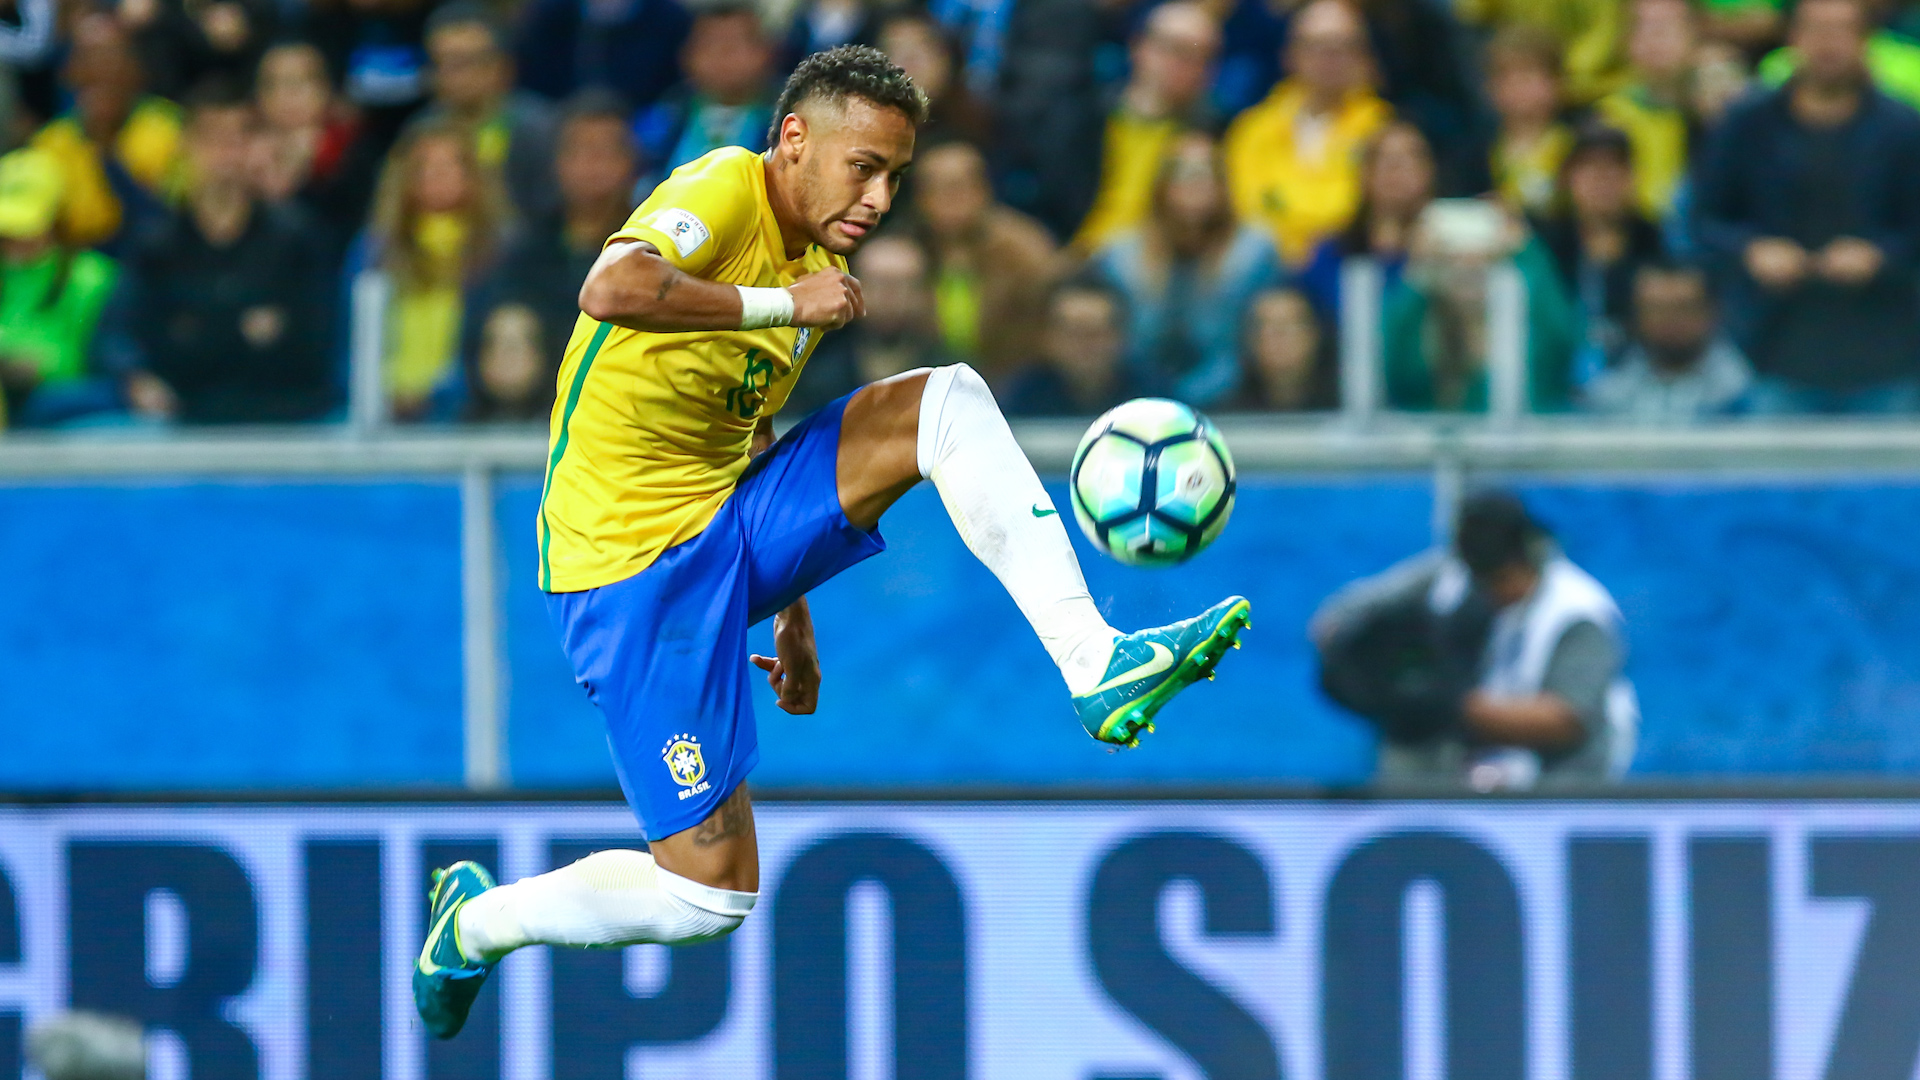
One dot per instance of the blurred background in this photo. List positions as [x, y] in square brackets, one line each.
[284, 286]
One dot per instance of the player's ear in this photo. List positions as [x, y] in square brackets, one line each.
[793, 136]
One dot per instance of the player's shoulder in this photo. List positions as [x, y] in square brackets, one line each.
[718, 197]
[727, 165]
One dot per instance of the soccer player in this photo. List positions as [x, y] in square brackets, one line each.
[663, 536]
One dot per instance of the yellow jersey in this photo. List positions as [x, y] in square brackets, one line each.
[650, 431]
[1299, 175]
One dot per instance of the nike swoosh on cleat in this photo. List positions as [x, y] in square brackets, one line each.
[1048, 512]
[426, 964]
[1162, 660]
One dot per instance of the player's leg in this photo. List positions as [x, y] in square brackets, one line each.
[943, 425]
[694, 886]
[661, 654]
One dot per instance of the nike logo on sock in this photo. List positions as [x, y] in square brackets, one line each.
[1048, 512]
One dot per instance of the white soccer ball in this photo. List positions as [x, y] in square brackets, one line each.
[1152, 482]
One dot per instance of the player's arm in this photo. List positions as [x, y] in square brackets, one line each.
[632, 285]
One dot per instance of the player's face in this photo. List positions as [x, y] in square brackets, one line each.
[851, 159]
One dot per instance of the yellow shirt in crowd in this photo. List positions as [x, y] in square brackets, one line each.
[1527, 176]
[1590, 32]
[1296, 174]
[1129, 162]
[1658, 135]
[652, 430]
[148, 147]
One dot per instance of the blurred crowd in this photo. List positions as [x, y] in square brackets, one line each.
[1713, 205]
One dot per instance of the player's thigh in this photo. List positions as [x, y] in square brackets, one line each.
[879, 446]
[788, 502]
[721, 851]
[663, 654]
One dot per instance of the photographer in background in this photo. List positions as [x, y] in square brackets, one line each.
[1496, 665]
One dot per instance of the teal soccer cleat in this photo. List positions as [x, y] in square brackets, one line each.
[1150, 666]
[445, 982]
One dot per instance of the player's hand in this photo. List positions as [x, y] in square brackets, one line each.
[827, 298]
[795, 673]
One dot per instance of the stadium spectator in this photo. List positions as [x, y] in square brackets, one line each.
[534, 294]
[1081, 370]
[1655, 107]
[1806, 194]
[630, 47]
[50, 300]
[1293, 160]
[1188, 273]
[1495, 665]
[513, 368]
[1587, 35]
[182, 44]
[471, 70]
[1165, 93]
[819, 25]
[1721, 77]
[437, 224]
[30, 50]
[377, 49]
[922, 49]
[1599, 240]
[1050, 108]
[899, 332]
[1524, 83]
[992, 265]
[1678, 367]
[225, 311]
[1290, 363]
[727, 98]
[1396, 184]
[1748, 26]
[119, 147]
[310, 147]
[1437, 337]
[1892, 59]
[1427, 69]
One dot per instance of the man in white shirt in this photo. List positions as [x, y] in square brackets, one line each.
[1541, 699]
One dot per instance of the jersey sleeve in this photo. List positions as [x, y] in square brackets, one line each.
[696, 217]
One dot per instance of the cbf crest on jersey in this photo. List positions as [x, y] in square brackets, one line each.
[800, 342]
[686, 765]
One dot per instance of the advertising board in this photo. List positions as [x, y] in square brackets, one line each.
[1354, 940]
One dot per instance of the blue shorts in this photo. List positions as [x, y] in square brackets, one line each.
[664, 653]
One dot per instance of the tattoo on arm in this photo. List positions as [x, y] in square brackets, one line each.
[666, 286]
[733, 819]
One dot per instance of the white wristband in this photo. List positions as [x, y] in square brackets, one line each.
[761, 308]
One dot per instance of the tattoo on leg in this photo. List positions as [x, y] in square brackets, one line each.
[733, 818]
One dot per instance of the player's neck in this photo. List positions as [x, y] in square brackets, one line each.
[793, 234]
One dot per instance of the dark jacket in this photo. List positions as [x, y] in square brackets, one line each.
[1761, 177]
[634, 52]
[1604, 294]
[244, 333]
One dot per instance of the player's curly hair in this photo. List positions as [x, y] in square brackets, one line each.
[849, 71]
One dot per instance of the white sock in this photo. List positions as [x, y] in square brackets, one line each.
[991, 493]
[608, 898]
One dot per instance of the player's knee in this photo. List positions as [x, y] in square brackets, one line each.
[702, 912]
[964, 382]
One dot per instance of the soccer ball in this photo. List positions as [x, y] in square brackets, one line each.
[1152, 482]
